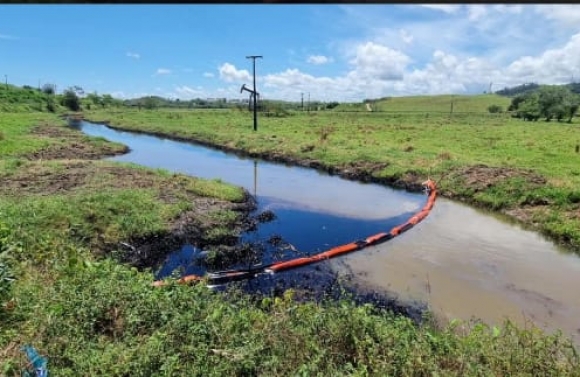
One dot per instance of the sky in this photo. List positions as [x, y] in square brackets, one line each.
[325, 52]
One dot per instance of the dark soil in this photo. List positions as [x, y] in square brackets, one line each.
[319, 282]
[363, 171]
[75, 145]
[480, 177]
[192, 227]
[36, 178]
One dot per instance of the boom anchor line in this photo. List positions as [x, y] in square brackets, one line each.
[222, 277]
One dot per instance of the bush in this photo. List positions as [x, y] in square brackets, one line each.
[71, 100]
[494, 109]
[50, 105]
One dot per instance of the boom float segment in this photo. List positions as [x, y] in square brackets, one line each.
[222, 277]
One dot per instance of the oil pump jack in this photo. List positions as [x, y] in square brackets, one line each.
[252, 94]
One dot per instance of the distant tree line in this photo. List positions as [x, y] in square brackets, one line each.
[547, 102]
[517, 90]
[530, 87]
[272, 107]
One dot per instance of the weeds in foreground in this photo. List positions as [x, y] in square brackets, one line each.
[102, 318]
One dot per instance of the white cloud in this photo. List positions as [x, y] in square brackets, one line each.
[379, 62]
[378, 71]
[119, 94]
[289, 78]
[318, 59]
[208, 74]
[565, 14]
[447, 8]
[133, 55]
[554, 65]
[454, 48]
[229, 73]
[162, 71]
[186, 92]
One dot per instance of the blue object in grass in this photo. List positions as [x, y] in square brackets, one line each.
[37, 362]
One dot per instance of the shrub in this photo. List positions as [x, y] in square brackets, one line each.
[494, 109]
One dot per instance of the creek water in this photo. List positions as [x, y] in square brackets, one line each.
[461, 262]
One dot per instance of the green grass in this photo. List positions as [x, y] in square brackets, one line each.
[103, 319]
[25, 134]
[432, 104]
[93, 316]
[25, 100]
[100, 204]
[15, 131]
[403, 145]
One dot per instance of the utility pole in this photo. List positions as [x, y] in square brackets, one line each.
[6, 81]
[308, 101]
[254, 57]
[302, 101]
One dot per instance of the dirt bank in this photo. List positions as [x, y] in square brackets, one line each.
[67, 143]
[68, 167]
[461, 183]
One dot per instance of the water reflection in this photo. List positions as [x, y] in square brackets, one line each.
[463, 262]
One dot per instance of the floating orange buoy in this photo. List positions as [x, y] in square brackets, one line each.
[226, 276]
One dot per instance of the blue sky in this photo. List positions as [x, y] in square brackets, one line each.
[333, 52]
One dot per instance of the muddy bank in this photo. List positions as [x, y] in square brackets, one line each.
[362, 171]
[321, 282]
[461, 183]
[196, 226]
[76, 146]
[311, 283]
[73, 170]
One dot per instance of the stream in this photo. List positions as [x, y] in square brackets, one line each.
[460, 262]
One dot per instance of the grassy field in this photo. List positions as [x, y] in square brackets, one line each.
[527, 170]
[431, 104]
[24, 100]
[63, 290]
[442, 104]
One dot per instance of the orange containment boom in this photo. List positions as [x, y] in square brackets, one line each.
[232, 275]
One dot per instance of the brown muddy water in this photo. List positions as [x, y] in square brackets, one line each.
[468, 264]
[462, 262]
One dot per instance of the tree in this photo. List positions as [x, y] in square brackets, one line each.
[95, 98]
[108, 100]
[50, 104]
[526, 106]
[549, 102]
[49, 89]
[149, 103]
[571, 104]
[529, 109]
[71, 100]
